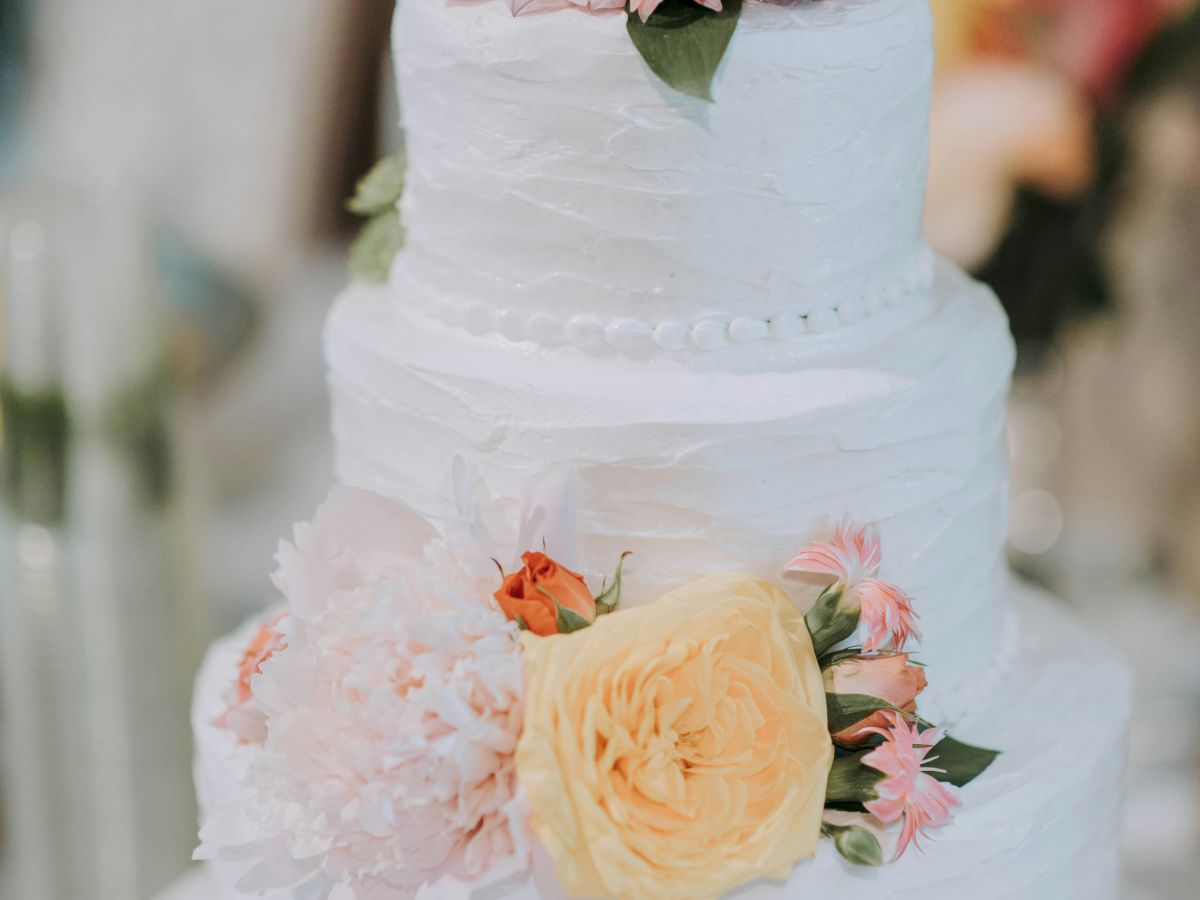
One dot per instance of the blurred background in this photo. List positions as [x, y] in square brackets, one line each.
[172, 232]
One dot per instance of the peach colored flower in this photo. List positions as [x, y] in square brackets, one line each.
[888, 677]
[853, 558]
[680, 749]
[533, 594]
[243, 716]
[909, 792]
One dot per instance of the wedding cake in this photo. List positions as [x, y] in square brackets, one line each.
[695, 291]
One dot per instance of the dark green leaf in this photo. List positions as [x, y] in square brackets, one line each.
[850, 781]
[830, 660]
[610, 599]
[376, 246]
[962, 763]
[855, 843]
[567, 621]
[380, 189]
[683, 43]
[829, 623]
[848, 709]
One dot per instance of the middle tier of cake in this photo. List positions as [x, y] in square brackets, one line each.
[700, 465]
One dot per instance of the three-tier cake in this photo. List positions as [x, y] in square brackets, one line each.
[722, 319]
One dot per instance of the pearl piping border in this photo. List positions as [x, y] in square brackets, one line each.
[627, 335]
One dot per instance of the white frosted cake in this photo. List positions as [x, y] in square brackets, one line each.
[723, 319]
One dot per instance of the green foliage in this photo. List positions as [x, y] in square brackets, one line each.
[961, 762]
[610, 599]
[376, 246]
[377, 197]
[855, 843]
[381, 188]
[683, 43]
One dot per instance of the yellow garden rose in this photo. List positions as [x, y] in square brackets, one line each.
[680, 749]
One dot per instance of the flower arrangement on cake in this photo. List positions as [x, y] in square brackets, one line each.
[414, 719]
[682, 41]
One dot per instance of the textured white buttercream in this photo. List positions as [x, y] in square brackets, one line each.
[1042, 822]
[551, 174]
[730, 467]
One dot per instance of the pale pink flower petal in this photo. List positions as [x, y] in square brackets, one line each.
[909, 791]
[356, 539]
[644, 8]
[243, 714]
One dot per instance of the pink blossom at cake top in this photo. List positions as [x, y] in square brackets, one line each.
[909, 791]
[644, 8]
[853, 556]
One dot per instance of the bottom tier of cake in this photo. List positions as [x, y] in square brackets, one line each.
[1042, 822]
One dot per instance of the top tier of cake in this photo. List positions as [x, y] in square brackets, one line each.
[554, 180]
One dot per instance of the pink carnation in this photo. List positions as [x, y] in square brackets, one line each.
[853, 557]
[909, 792]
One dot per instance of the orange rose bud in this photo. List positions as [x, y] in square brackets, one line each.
[533, 595]
[888, 677]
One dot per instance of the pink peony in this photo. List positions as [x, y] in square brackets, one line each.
[909, 792]
[357, 539]
[853, 557]
[243, 715]
[392, 715]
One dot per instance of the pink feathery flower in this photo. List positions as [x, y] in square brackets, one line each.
[909, 791]
[644, 8]
[853, 556]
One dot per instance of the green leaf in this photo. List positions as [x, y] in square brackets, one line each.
[609, 600]
[376, 246]
[380, 189]
[829, 623]
[567, 621]
[848, 709]
[850, 781]
[855, 843]
[683, 43]
[830, 660]
[962, 763]
[521, 623]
